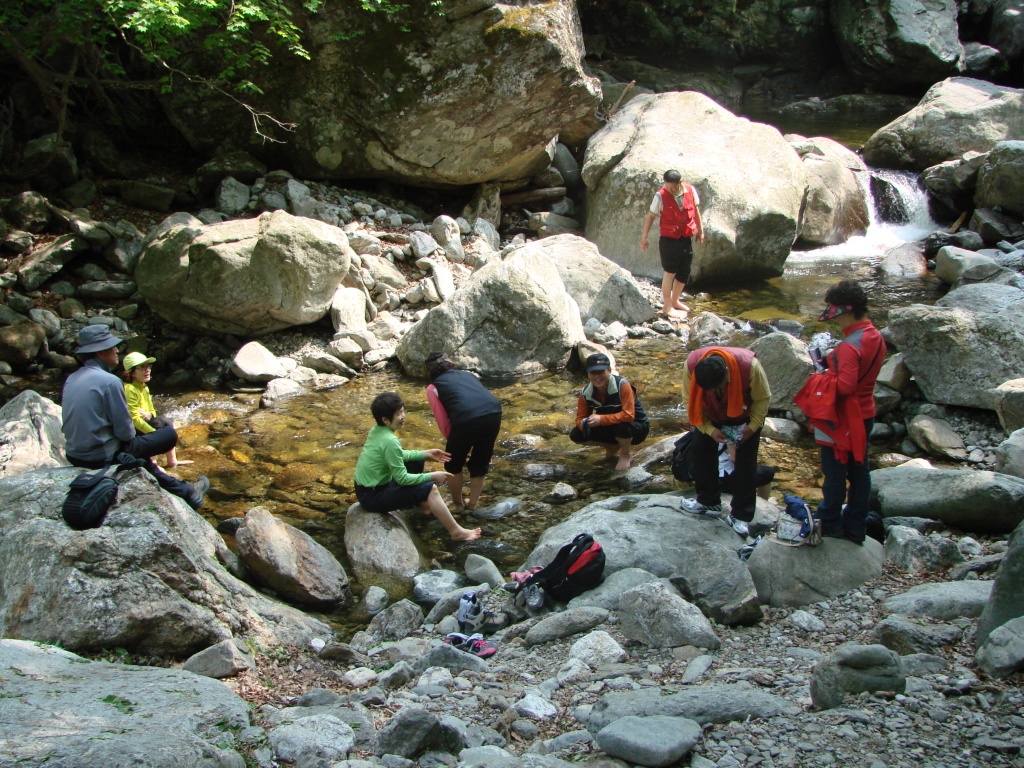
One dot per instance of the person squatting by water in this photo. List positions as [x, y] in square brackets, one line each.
[389, 478]
[855, 364]
[609, 413]
[138, 370]
[727, 396]
[98, 425]
[677, 203]
[469, 418]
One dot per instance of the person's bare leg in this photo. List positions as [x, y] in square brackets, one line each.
[765, 491]
[677, 295]
[610, 451]
[625, 447]
[455, 486]
[435, 505]
[476, 487]
[666, 295]
[172, 459]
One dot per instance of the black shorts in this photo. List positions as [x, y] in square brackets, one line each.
[676, 256]
[391, 497]
[636, 431]
[474, 439]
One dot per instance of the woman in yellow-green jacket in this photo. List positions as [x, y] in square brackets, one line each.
[137, 371]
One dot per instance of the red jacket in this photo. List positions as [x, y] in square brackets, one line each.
[677, 222]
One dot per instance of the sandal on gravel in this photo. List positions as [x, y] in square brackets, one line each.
[474, 644]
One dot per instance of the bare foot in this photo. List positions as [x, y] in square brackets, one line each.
[681, 307]
[610, 453]
[622, 464]
[180, 463]
[471, 505]
[673, 314]
[465, 534]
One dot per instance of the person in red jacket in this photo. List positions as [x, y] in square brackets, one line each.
[677, 205]
[855, 363]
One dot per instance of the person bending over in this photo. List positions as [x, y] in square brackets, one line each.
[469, 417]
[389, 478]
[608, 413]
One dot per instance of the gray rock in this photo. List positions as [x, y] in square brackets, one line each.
[748, 236]
[655, 741]
[986, 296]
[536, 708]
[656, 615]
[400, 675]
[163, 714]
[281, 389]
[921, 664]
[396, 622]
[919, 524]
[247, 277]
[936, 437]
[836, 208]
[796, 576]
[1009, 404]
[999, 178]
[906, 636]
[443, 655]
[853, 669]
[431, 586]
[783, 430]
[806, 621]
[381, 550]
[413, 731]
[1004, 602]
[290, 562]
[971, 500]
[42, 263]
[952, 262]
[1010, 455]
[908, 549]
[703, 704]
[1002, 653]
[597, 649]
[481, 570]
[560, 494]
[152, 197]
[976, 566]
[168, 564]
[255, 363]
[224, 659]
[448, 604]
[943, 601]
[501, 508]
[317, 735]
[719, 583]
[30, 434]
[606, 594]
[565, 624]
[232, 197]
[787, 364]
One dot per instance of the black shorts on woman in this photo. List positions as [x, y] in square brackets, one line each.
[676, 256]
[391, 496]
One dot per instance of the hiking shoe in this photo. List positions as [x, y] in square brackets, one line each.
[197, 492]
[738, 525]
[474, 644]
[533, 596]
[695, 507]
[470, 612]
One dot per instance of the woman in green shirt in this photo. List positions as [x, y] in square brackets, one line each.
[389, 478]
[137, 373]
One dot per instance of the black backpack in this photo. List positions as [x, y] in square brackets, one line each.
[93, 493]
[681, 458]
[577, 567]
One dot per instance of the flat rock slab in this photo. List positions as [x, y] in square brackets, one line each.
[707, 704]
[60, 709]
[653, 741]
[942, 601]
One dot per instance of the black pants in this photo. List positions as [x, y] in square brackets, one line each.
[390, 496]
[704, 458]
[636, 431]
[474, 439]
[145, 447]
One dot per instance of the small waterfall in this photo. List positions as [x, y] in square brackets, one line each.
[898, 213]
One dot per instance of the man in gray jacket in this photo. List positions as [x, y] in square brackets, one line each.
[96, 421]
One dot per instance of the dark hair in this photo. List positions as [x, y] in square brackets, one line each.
[848, 293]
[710, 371]
[385, 406]
[437, 363]
[672, 176]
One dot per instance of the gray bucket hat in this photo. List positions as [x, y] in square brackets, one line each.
[96, 338]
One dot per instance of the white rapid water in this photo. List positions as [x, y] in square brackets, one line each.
[880, 236]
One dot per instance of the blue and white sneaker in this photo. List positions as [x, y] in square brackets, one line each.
[738, 525]
[695, 507]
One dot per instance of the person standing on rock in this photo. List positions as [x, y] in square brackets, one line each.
[609, 413]
[98, 425]
[677, 204]
[389, 478]
[469, 417]
[855, 364]
[727, 396]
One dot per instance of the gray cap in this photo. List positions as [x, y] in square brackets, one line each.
[96, 338]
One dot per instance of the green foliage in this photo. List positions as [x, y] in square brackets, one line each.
[124, 706]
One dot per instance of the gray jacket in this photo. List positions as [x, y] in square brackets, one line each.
[95, 412]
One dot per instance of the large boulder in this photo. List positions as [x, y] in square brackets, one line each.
[982, 297]
[150, 579]
[719, 583]
[381, 550]
[30, 434]
[1009, 404]
[648, 532]
[797, 576]
[656, 615]
[246, 277]
[1004, 602]
[511, 317]
[971, 500]
[1001, 178]
[601, 288]
[959, 357]
[836, 207]
[786, 363]
[951, 263]
[955, 116]
[898, 42]
[1010, 454]
[853, 669]
[942, 600]
[750, 180]
[290, 562]
[60, 709]
[376, 98]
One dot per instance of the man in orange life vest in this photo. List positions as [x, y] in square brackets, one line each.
[676, 203]
[727, 396]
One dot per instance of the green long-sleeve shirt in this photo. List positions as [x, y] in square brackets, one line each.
[383, 459]
[139, 399]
